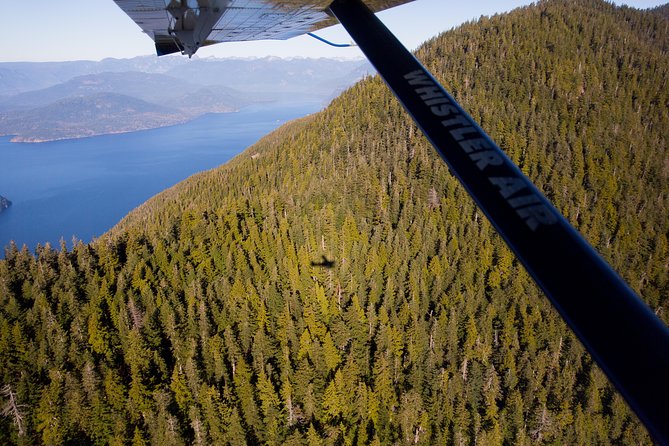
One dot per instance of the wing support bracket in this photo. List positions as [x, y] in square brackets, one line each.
[626, 339]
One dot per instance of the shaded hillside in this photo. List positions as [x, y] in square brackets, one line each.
[335, 285]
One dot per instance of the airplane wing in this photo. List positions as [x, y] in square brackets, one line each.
[186, 25]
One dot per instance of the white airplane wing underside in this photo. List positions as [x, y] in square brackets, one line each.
[185, 25]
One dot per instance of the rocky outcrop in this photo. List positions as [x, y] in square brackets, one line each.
[4, 203]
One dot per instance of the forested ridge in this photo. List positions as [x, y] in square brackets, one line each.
[334, 284]
[663, 10]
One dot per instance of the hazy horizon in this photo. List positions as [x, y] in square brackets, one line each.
[103, 30]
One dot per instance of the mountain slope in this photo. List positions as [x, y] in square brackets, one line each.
[335, 285]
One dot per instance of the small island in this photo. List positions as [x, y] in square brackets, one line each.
[4, 203]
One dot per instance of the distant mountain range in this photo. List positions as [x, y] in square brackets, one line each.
[60, 100]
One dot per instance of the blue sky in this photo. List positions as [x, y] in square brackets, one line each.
[46, 30]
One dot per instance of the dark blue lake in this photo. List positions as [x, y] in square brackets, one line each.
[81, 188]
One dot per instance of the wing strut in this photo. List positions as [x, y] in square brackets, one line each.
[626, 339]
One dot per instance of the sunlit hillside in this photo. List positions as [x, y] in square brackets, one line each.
[335, 285]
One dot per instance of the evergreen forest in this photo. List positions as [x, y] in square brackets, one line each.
[335, 285]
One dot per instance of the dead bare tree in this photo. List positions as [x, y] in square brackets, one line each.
[12, 409]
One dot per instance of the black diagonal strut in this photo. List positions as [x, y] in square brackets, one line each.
[622, 334]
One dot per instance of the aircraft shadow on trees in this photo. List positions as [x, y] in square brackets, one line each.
[324, 263]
